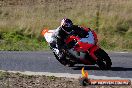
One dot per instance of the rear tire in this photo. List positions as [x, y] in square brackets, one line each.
[102, 65]
[104, 61]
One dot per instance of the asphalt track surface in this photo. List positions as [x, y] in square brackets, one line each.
[46, 62]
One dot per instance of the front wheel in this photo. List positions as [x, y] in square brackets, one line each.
[104, 61]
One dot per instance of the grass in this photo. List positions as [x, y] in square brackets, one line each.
[111, 19]
[19, 41]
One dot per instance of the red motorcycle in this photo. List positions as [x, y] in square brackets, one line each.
[82, 50]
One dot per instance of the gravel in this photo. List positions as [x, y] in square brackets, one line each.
[18, 80]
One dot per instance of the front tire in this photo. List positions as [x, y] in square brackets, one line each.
[104, 61]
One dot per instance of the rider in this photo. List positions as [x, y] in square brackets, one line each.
[66, 28]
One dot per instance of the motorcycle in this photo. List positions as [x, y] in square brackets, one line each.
[82, 50]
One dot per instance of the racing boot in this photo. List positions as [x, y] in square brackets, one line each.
[62, 58]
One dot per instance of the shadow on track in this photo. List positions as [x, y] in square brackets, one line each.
[121, 69]
[85, 67]
[96, 68]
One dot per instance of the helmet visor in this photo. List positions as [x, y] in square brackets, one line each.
[68, 25]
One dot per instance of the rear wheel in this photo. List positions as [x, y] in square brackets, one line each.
[104, 61]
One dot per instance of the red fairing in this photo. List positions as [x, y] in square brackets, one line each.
[84, 46]
[92, 50]
[69, 39]
[81, 46]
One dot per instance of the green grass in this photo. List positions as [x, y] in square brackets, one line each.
[19, 41]
[111, 19]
